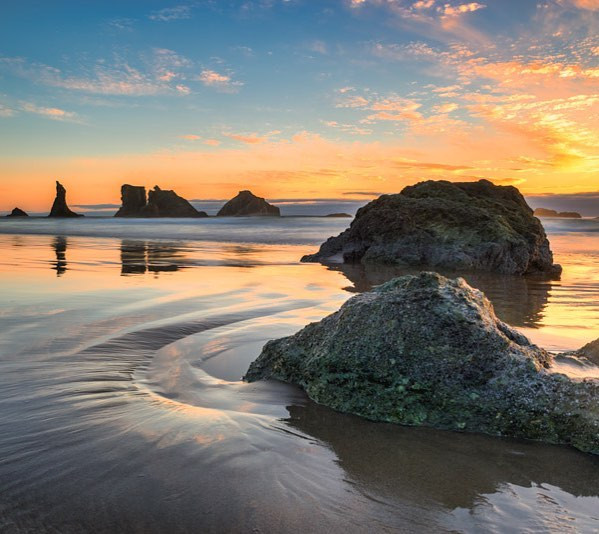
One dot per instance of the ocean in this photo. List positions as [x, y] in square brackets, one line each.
[122, 347]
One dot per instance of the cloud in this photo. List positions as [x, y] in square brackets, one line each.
[223, 82]
[5, 111]
[190, 137]
[452, 11]
[169, 14]
[591, 5]
[51, 113]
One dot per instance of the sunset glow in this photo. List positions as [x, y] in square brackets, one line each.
[295, 99]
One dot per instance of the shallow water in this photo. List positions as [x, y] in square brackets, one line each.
[121, 409]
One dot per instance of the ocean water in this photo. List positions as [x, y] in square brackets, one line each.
[122, 344]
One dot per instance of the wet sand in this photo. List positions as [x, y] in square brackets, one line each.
[122, 408]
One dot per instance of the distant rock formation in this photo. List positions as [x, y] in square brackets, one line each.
[474, 226]
[133, 199]
[544, 212]
[60, 208]
[160, 203]
[427, 350]
[338, 215]
[17, 212]
[246, 204]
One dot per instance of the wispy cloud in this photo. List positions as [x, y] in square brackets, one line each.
[222, 82]
[169, 14]
[49, 112]
[6, 111]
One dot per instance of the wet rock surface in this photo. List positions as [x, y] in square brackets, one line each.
[159, 203]
[246, 204]
[454, 225]
[427, 350]
[60, 207]
[17, 212]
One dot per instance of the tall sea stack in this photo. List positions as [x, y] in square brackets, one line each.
[60, 208]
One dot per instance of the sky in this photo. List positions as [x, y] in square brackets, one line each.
[297, 99]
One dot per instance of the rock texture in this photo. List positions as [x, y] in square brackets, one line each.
[590, 351]
[60, 207]
[427, 350]
[469, 225]
[17, 212]
[160, 203]
[246, 204]
[544, 212]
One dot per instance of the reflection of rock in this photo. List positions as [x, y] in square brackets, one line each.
[247, 204]
[160, 203]
[518, 300]
[338, 215]
[420, 465]
[60, 207]
[139, 257]
[60, 248]
[458, 225]
[426, 350]
[544, 212]
[17, 212]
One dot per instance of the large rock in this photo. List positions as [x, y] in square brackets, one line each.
[590, 351]
[544, 212]
[427, 350]
[160, 203]
[60, 207]
[470, 225]
[246, 204]
[133, 199]
[17, 212]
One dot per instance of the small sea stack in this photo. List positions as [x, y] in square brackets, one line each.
[17, 212]
[246, 204]
[473, 226]
[60, 207]
[544, 212]
[339, 215]
[159, 203]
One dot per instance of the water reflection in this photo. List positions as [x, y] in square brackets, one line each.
[59, 244]
[518, 300]
[423, 465]
[139, 257]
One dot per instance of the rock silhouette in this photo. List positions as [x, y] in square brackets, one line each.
[427, 350]
[544, 212]
[17, 212]
[454, 225]
[60, 207]
[160, 203]
[246, 204]
[338, 215]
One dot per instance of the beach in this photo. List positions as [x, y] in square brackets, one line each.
[122, 350]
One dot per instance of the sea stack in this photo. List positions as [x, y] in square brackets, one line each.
[17, 212]
[473, 226]
[159, 203]
[544, 212]
[427, 350]
[246, 204]
[60, 208]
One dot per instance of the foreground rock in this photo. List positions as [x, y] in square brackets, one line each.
[426, 350]
[60, 207]
[470, 225]
[246, 204]
[159, 203]
[590, 351]
[544, 212]
[17, 212]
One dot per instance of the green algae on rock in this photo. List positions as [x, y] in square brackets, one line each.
[454, 225]
[427, 350]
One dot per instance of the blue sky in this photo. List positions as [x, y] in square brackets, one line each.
[421, 81]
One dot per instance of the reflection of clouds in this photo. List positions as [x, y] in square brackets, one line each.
[422, 465]
[59, 243]
[518, 300]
